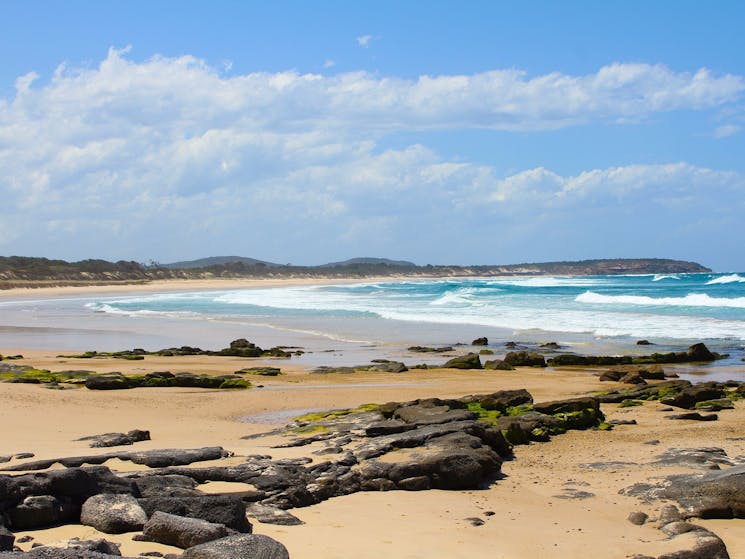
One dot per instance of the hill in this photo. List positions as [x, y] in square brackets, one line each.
[21, 271]
[216, 261]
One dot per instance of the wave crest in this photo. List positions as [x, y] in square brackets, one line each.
[690, 300]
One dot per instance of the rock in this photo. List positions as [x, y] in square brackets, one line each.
[714, 494]
[176, 456]
[525, 359]
[431, 415]
[668, 514]
[388, 366]
[707, 546]
[638, 518]
[480, 341]
[551, 345]
[643, 342]
[110, 381]
[271, 515]
[678, 527]
[689, 397]
[632, 378]
[332, 370]
[474, 521]
[468, 361]
[699, 352]
[693, 416]
[260, 371]
[167, 485]
[181, 531]
[40, 511]
[7, 539]
[425, 349]
[113, 514]
[498, 365]
[622, 422]
[503, 399]
[567, 406]
[219, 509]
[705, 457]
[98, 546]
[239, 547]
[416, 483]
[117, 439]
[611, 376]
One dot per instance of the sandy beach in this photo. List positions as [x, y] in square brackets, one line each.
[531, 512]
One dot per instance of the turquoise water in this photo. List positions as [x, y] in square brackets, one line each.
[668, 308]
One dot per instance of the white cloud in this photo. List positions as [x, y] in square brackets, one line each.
[364, 40]
[140, 158]
[328, 63]
[727, 130]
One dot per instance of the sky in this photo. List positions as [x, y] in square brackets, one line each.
[466, 132]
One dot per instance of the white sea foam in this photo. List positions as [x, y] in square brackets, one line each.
[732, 278]
[108, 309]
[547, 281]
[690, 300]
[660, 277]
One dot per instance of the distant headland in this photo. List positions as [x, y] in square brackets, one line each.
[21, 271]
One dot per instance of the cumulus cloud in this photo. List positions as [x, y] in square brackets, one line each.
[172, 156]
[364, 40]
[727, 130]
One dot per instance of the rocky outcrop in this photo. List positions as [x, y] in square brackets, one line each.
[525, 359]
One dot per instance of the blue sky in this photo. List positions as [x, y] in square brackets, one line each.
[306, 132]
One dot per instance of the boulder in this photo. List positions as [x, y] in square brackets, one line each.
[109, 381]
[271, 515]
[167, 485]
[113, 514]
[689, 397]
[7, 539]
[219, 509]
[525, 359]
[238, 547]
[498, 365]
[117, 439]
[181, 531]
[699, 352]
[41, 511]
[431, 415]
[480, 341]
[468, 361]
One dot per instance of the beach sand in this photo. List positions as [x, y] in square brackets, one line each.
[531, 514]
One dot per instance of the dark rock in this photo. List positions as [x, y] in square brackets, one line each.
[425, 349]
[525, 359]
[567, 406]
[622, 422]
[388, 367]
[503, 399]
[417, 483]
[117, 439]
[238, 547]
[260, 371]
[181, 531]
[668, 514]
[498, 365]
[388, 427]
[271, 515]
[689, 397]
[693, 416]
[109, 381]
[468, 361]
[551, 345]
[166, 486]
[113, 514]
[632, 378]
[638, 518]
[714, 494]
[7, 539]
[612, 376]
[480, 341]
[332, 370]
[176, 456]
[699, 352]
[431, 415]
[219, 509]
[706, 457]
[41, 511]
[643, 342]
[474, 521]
[708, 546]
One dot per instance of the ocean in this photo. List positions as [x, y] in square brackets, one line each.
[348, 322]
